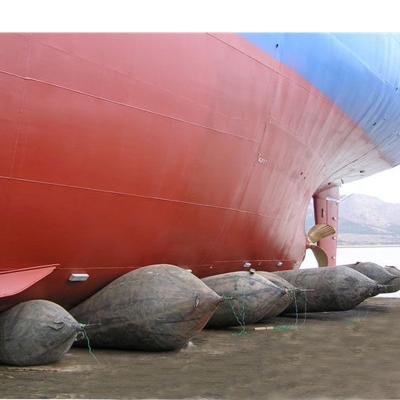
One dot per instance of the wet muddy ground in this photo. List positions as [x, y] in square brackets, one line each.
[329, 355]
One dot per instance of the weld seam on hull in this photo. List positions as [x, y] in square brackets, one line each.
[261, 63]
[127, 105]
[136, 195]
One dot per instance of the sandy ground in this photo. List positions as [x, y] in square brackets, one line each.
[352, 354]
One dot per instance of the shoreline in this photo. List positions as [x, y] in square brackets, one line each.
[349, 246]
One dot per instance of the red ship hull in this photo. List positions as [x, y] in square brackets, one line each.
[119, 151]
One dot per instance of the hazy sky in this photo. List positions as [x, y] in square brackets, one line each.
[384, 185]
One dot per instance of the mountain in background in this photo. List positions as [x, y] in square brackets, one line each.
[365, 220]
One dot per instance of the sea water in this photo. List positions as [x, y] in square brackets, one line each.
[383, 255]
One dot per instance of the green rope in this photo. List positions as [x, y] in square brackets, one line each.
[296, 309]
[86, 337]
[305, 306]
[285, 327]
[292, 295]
[240, 316]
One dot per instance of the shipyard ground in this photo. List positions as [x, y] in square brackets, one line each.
[331, 355]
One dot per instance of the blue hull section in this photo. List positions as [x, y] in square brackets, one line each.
[360, 73]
